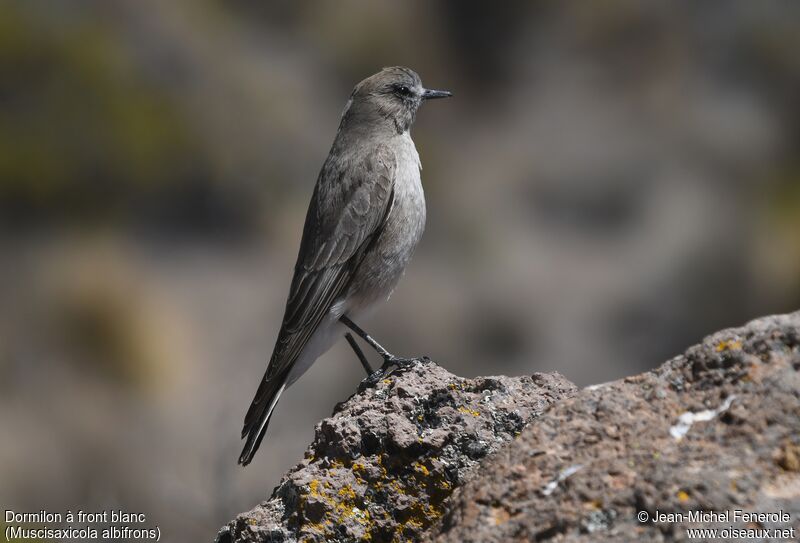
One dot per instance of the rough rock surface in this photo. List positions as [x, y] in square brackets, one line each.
[716, 429]
[381, 467]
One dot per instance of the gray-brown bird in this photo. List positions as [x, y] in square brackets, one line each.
[365, 218]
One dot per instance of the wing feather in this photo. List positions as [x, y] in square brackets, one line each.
[348, 210]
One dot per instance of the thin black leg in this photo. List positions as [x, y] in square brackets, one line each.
[366, 337]
[388, 358]
[359, 353]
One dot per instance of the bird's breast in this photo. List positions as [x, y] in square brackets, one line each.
[406, 220]
[384, 264]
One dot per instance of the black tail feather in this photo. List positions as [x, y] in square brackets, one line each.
[257, 418]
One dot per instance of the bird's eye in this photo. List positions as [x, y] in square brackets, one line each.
[402, 90]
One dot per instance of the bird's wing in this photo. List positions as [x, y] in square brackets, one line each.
[348, 210]
[346, 213]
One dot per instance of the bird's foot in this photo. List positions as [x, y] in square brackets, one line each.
[398, 362]
[392, 363]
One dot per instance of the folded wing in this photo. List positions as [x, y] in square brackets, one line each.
[348, 210]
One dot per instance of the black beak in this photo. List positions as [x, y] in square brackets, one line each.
[430, 94]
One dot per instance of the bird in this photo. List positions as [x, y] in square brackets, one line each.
[366, 217]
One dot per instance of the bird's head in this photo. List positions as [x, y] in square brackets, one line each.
[391, 96]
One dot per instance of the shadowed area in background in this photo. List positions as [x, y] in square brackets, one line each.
[610, 183]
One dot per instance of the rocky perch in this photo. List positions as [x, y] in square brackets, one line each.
[425, 455]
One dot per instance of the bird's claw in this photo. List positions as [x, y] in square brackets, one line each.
[374, 377]
[398, 362]
[390, 364]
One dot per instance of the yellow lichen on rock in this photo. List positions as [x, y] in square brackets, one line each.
[420, 468]
[347, 492]
[729, 345]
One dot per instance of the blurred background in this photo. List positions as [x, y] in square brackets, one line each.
[611, 182]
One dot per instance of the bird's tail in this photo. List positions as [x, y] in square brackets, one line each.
[257, 418]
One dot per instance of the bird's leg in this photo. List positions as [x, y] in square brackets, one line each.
[366, 337]
[388, 358]
[359, 353]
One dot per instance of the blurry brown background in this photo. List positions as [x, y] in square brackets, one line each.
[612, 181]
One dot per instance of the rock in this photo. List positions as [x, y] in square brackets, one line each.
[383, 465]
[716, 429]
